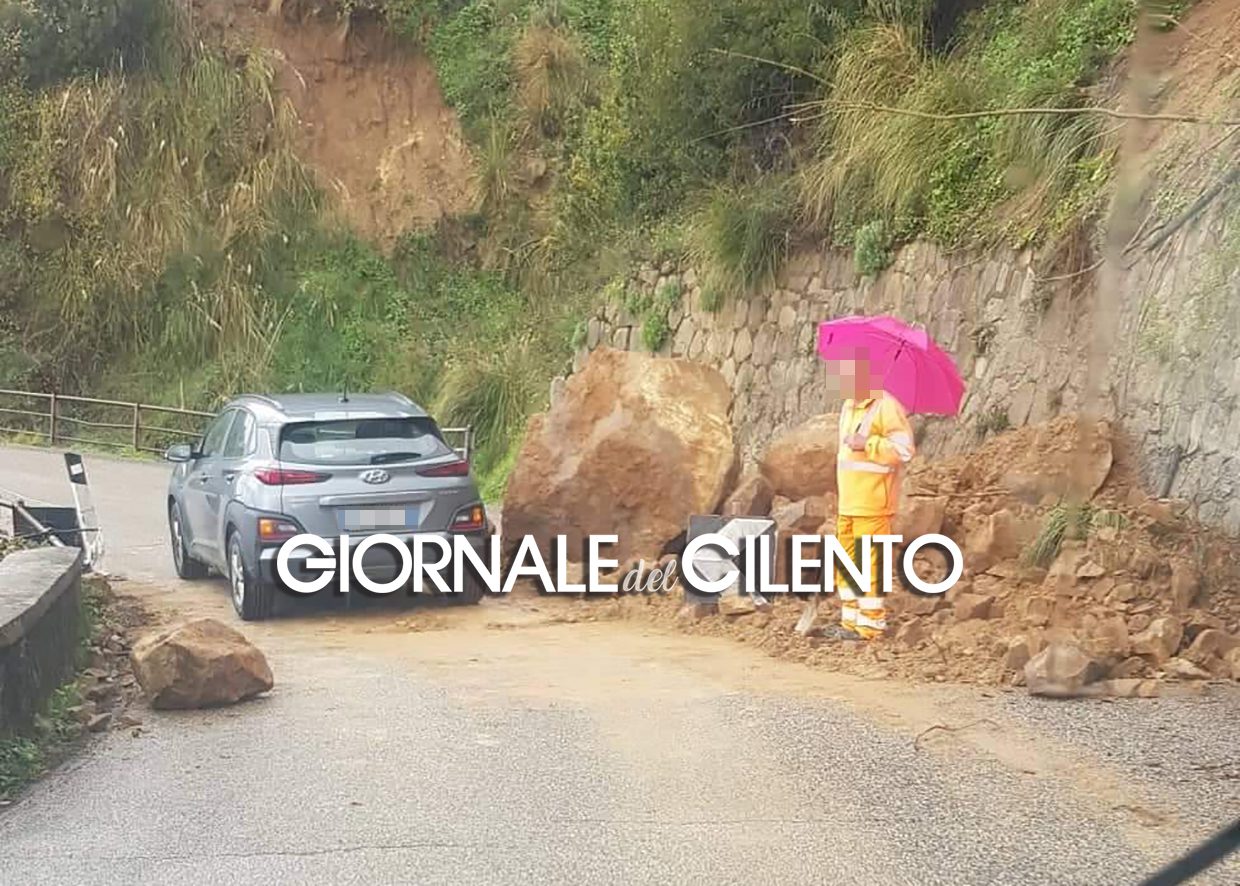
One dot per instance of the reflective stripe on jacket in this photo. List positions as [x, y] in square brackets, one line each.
[869, 481]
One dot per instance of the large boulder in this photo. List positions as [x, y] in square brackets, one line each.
[633, 447]
[199, 664]
[801, 462]
[1061, 670]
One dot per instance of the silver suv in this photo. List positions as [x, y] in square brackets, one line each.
[271, 467]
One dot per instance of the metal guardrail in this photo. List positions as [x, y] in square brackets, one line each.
[142, 427]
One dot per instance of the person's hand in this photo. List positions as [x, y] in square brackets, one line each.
[855, 442]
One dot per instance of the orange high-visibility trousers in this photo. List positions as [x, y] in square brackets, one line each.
[864, 613]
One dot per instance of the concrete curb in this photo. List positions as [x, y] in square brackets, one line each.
[40, 623]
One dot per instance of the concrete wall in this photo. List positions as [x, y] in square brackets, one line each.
[40, 627]
[1025, 344]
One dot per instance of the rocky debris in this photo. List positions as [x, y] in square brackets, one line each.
[1183, 669]
[1061, 670]
[1185, 583]
[809, 516]
[696, 610]
[920, 515]
[801, 462]
[1210, 650]
[1159, 641]
[994, 537]
[969, 606]
[198, 664]
[1108, 638]
[733, 602]
[751, 498]
[1064, 460]
[1017, 654]
[633, 447]
[1118, 587]
[99, 722]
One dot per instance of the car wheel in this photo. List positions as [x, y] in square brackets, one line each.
[186, 566]
[470, 593]
[250, 597]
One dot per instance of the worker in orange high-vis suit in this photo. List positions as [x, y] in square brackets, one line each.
[876, 442]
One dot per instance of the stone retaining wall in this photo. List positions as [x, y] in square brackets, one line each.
[1025, 343]
[40, 628]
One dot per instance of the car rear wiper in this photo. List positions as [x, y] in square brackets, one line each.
[385, 457]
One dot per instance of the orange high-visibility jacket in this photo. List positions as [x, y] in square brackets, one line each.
[869, 481]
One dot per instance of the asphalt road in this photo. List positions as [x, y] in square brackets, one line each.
[514, 743]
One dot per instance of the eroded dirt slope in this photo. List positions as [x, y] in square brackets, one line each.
[374, 125]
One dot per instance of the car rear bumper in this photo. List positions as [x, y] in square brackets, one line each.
[380, 562]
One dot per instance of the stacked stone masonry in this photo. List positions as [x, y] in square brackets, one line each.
[1023, 343]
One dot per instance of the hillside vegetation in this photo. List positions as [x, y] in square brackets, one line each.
[161, 238]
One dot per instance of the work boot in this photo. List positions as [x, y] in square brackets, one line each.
[839, 632]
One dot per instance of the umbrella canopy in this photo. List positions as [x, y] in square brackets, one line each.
[915, 370]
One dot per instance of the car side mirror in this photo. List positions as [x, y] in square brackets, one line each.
[180, 452]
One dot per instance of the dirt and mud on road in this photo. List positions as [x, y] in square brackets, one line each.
[549, 739]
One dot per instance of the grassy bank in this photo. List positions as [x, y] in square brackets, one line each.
[162, 241]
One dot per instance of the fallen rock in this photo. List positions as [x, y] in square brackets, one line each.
[1132, 666]
[1184, 669]
[911, 633]
[1159, 641]
[1017, 654]
[1073, 464]
[969, 606]
[99, 722]
[1109, 638]
[1122, 687]
[202, 663]
[921, 604]
[1061, 670]
[732, 602]
[805, 517]
[751, 498]
[1185, 584]
[993, 540]
[1037, 611]
[1211, 644]
[696, 610]
[802, 461]
[1233, 663]
[920, 515]
[635, 445]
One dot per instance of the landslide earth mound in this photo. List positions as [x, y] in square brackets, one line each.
[374, 126]
[1133, 581]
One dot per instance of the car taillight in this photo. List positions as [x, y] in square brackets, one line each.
[451, 469]
[275, 529]
[470, 518]
[285, 477]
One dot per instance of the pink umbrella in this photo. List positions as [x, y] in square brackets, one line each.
[914, 369]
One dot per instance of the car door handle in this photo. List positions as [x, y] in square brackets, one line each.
[200, 478]
[229, 476]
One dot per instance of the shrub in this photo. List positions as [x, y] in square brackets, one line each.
[872, 248]
[967, 179]
[741, 235]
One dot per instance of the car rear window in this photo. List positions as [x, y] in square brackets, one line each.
[361, 441]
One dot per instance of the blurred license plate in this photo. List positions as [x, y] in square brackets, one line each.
[380, 518]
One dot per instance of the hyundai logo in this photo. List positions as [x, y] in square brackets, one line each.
[376, 476]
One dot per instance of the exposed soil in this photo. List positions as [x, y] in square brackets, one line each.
[1139, 560]
[374, 125]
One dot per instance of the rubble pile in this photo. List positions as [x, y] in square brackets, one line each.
[1076, 581]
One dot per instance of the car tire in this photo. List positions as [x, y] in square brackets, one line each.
[251, 597]
[186, 566]
[470, 593]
